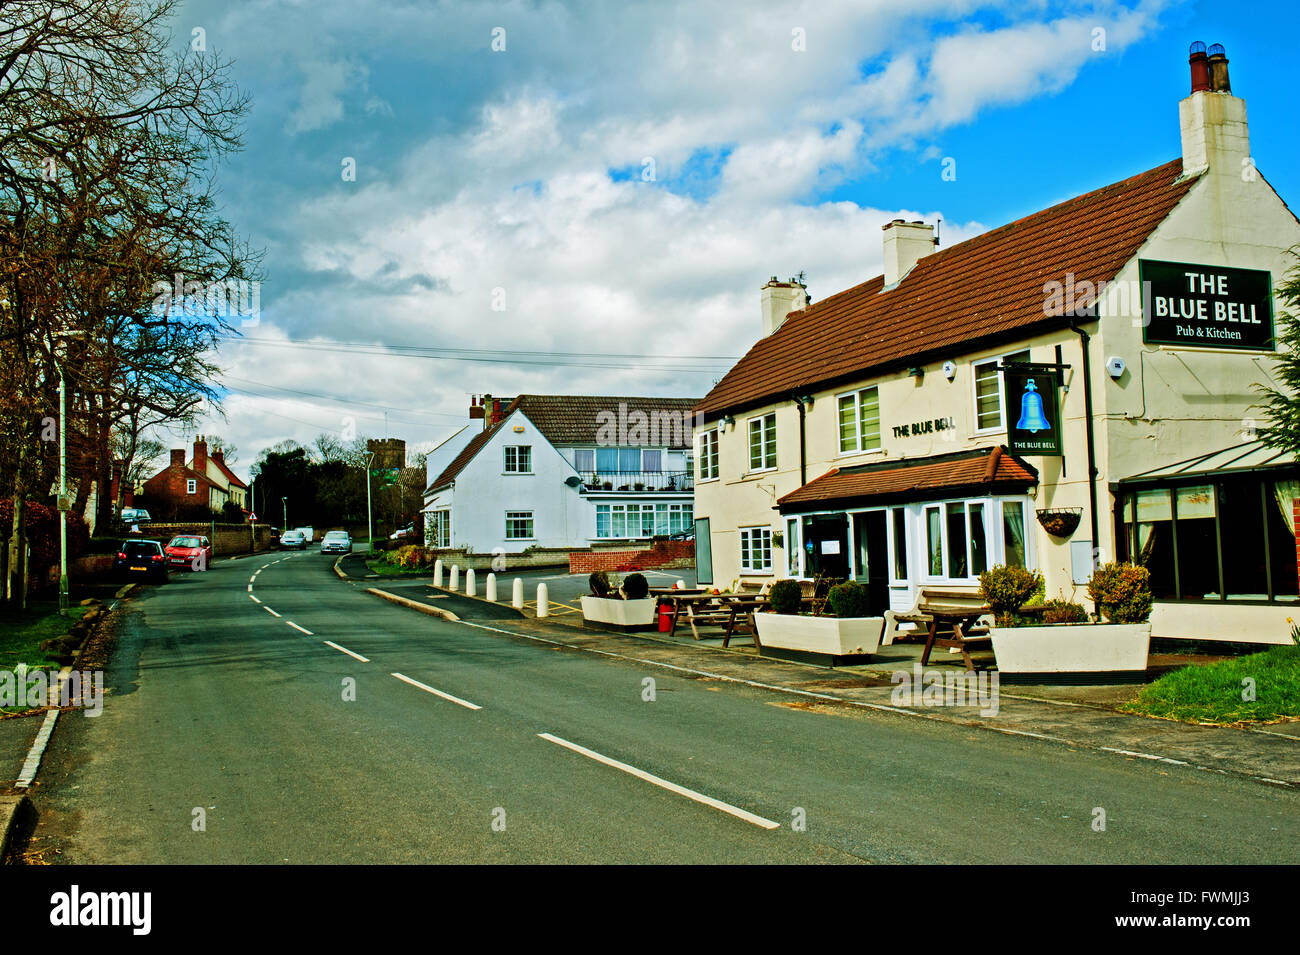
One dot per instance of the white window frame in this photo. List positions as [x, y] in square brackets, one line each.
[441, 527]
[746, 537]
[191, 486]
[793, 547]
[857, 448]
[708, 459]
[516, 516]
[1002, 395]
[505, 459]
[763, 430]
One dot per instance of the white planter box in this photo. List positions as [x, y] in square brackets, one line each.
[1073, 648]
[831, 636]
[619, 613]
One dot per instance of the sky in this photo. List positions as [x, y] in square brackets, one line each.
[585, 198]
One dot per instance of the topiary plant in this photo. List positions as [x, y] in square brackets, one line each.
[848, 599]
[1064, 611]
[1007, 589]
[635, 587]
[1122, 592]
[785, 596]
[599, 583]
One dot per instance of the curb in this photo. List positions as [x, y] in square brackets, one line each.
[482, 600]
[413, 604]
[11, 809]
[339, 570]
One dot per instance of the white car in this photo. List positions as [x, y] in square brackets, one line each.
[336, 542]
[293, 540]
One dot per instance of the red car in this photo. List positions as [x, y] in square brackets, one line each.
[192, 552]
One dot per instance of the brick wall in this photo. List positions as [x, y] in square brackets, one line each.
[661, 554]
[226, 538]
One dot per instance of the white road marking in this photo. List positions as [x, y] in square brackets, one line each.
[253, 578]
[356, 656]
[254, 599]
[269, 610]
[303, 629]
[665, 784]
[250, 588]
[428, 689]
[34, 754]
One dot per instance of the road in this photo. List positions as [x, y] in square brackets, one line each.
[227, 697]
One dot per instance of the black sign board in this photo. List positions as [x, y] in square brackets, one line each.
[1033, 411]
[1206, 306]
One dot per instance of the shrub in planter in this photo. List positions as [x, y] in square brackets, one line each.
[785, 596]
[599, 583]
[1007, 589]
[1063, 611]
[1123, 592]
[635, 587]
[848, 599]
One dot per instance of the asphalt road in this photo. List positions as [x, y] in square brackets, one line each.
[219, 705]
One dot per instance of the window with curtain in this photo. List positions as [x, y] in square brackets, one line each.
[709, 455]
[1013, 533]
[859, 420]
[762, 442]
[584, 460]
[988, 391]
[934, 541]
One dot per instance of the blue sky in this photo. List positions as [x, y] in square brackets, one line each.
[503, 200]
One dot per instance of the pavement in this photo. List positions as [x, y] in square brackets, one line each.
[266, 711]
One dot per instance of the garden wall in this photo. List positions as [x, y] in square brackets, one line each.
[662, 554]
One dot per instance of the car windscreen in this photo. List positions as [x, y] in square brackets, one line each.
[186, 542]
[337, 536]
[140, 548]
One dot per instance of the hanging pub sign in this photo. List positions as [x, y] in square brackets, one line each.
[1033, 412]
[1206, 306]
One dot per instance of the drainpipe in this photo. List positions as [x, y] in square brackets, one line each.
[1092, 454]
[803, 455]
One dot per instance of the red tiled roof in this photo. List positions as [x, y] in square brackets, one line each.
[983, 471]
[577, 419]
[980, 289]
[231, 477]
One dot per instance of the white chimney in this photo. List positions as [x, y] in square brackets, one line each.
[1211, 119]
[906, 243]
[779, 300]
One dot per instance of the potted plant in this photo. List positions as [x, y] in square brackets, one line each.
[627, 607]
[846, 635]
[1065, 646]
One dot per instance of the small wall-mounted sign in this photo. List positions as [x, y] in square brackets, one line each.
[519, 429]
[929, 426]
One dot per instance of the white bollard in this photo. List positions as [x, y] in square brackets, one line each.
[543, 602]
[491, 593]
[437, 573]
[517, 594]
[455, 578]
[471, 590]
[680, 585]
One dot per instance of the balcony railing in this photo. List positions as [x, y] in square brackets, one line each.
[638, 481]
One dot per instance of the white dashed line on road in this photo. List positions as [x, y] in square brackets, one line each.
[428, 689]
[355, 656]
[269, 610]
[718, 804]
[254, 599]
[303, 629]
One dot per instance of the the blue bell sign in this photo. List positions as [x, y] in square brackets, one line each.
[1033, 411]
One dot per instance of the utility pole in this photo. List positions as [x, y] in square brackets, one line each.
[64, 504]
[284, 501]
[370, 530]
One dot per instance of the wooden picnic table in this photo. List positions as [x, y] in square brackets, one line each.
[705, 609]
[963, 629]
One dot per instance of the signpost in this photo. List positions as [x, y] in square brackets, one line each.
[1206, 306]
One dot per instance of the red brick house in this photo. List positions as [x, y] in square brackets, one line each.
[181, 489]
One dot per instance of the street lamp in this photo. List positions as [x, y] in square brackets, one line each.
[64, 504]
[284, 502]
[370, 530]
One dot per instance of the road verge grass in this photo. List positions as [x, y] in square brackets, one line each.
[1259, 688]
[22, 632]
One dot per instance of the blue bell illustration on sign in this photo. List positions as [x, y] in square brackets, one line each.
[1031, 410]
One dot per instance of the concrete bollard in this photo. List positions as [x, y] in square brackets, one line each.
[471, 589]
[454, 583]
[543, 602]
[517, 594]
[491, 593]
[437, 573]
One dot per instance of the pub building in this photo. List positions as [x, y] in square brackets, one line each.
[1078, 386]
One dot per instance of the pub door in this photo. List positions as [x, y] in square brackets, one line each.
[869, 535]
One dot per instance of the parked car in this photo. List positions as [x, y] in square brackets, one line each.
[140, 558]
[402, 532]
[336, 542]
[135, 515]
[293, 540]
[189, 551]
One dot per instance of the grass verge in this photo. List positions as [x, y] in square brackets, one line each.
[21, 634]
[1214, 693]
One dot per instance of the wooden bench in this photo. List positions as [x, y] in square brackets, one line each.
[926, 598]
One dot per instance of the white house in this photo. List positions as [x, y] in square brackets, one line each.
[1080, 385]
[563, 471]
